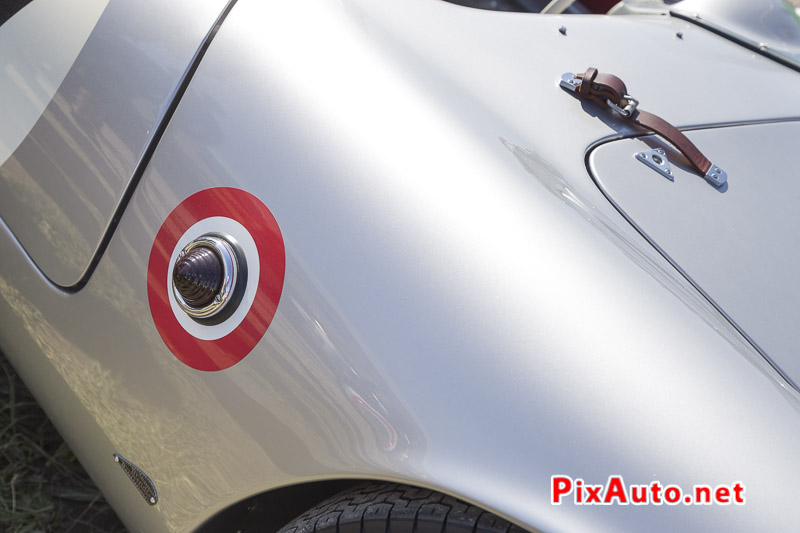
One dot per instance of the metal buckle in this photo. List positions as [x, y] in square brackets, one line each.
[570, 82]
[629, 108]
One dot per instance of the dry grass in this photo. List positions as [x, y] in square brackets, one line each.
[42, 485]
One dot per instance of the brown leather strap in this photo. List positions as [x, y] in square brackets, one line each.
[675, 137]
[587, 79]
[601, 87]
[605, 88]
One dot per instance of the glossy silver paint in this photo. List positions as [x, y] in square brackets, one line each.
[38, 47]
[770, 24]
[463, 309]
[61, 186]
[733, 242]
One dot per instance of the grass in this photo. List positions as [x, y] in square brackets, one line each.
[42, 485]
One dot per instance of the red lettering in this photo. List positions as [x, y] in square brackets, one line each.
[593, 493]
[655, 488]
[702, 494]
[738, 489]
[615, 488]
[672, 494]
[639, 493]
[615, 491]
[559, 486]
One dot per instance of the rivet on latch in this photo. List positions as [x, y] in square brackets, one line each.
[657, 160]
[716, 176]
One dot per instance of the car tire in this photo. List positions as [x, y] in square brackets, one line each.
[384, 507]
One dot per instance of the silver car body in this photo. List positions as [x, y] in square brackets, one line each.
[463, 307]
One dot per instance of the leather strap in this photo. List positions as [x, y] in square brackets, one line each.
[675, 137]
[605, 88]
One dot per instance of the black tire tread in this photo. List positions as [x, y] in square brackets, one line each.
[377, 507]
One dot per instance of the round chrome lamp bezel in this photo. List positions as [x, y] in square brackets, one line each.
[231, 264]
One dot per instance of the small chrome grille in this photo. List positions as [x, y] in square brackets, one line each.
[139, 479]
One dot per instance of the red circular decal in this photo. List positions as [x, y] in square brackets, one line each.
[250, 212]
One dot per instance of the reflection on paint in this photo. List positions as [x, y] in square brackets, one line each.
[65, 167]
[773, 25]
[650, 261]
[37, 48]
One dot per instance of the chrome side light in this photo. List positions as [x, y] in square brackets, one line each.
[208, 278]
